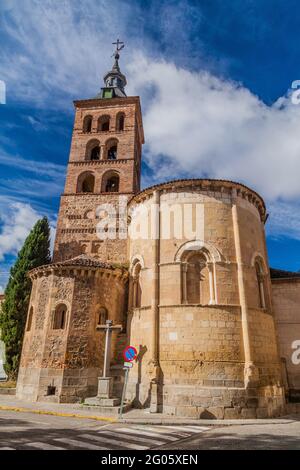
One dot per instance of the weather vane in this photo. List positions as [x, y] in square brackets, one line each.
[119, 46]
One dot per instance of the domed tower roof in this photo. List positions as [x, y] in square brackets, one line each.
[114, 80]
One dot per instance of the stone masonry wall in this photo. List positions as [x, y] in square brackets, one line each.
[76, 228]
[69, 359]
[201, 346]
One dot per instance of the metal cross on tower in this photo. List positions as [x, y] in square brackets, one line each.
[119, 45]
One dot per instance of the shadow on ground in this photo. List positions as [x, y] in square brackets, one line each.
[245, 437]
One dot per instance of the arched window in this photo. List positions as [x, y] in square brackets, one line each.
[95, 153]
[197, 280]
[102, 316]
[29, 321]
[83, 248]
[89, 214]
[120, 122]
[86, 182]
[112, 152]
[103, 124]
[110, 182]
[93, 150]
[260, 278]
[112, 185]
[198, 285]
[111, 149]
[137, 289]
[87, 124]
[60, 317]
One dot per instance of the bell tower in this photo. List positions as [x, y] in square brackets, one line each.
[104, 168]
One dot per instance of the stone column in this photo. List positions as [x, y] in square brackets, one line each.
[130, 293]
[102, 152]
[134, 292]
[184, 267]
[250, 372]
[211, 284]
[154, 369]
[215, 282]
[269, 304]
[262, 291]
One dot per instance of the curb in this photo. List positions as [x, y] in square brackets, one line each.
[7, 391]
[54, 413]
[201, 423]
[148, 421]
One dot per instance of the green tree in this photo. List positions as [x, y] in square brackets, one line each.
[35, 252]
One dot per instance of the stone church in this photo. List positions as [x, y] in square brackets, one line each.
[213, 326]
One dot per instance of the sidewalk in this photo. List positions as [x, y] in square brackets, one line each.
[134, 416]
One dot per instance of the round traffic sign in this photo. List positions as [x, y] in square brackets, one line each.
[129, 353]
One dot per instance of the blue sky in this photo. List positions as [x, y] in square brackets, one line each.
[218, 75]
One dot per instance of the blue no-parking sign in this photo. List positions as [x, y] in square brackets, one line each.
[129, 353]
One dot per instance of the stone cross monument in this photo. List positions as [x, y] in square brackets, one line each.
[104, 395]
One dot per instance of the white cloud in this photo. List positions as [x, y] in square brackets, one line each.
[206, 126]
[196, 124]
[41, 168]
[284, 219]
[37, 124]
[60, 48]
[209, 126]
[39, 180]
[16, 222]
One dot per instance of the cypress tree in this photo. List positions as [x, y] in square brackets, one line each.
[35, 252]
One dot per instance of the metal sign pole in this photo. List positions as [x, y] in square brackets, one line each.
[124, 391]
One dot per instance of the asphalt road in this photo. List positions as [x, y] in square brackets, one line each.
[281, 436]
[20, 431]
[26, 431]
